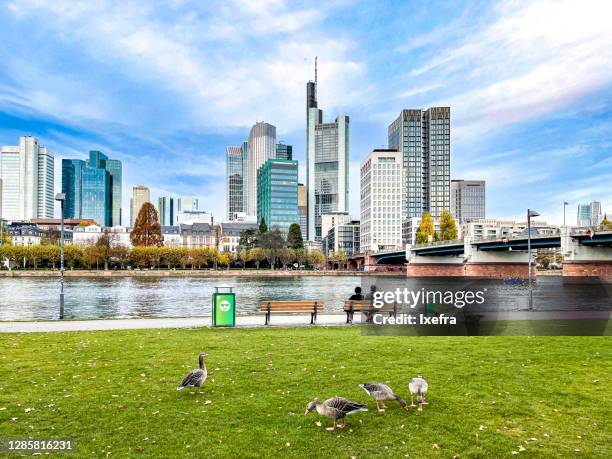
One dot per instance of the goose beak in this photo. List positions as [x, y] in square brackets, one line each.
[306, 413]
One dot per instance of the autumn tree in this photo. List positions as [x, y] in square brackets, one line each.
[147, 231]
[448, 227]
[426, 229]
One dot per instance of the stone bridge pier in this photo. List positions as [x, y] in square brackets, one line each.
[581, 260]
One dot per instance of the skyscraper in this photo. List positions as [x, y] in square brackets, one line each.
[327, 152]
[277, 201]
[382, 179]
[467, 200]
[261, 147]
[93, 188]
[423, 138]
[140, 195]
[235, 182]
[284, 151]
[589, 214]
[165, 207]
[27, 173]
[187, 205]
[303, 209]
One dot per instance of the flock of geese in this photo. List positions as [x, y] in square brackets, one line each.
[336, 408]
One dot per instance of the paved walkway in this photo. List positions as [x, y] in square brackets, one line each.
[175, 322]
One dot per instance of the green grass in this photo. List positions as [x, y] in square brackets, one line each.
[114, 393]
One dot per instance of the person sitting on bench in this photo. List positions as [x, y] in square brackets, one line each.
[357, 296]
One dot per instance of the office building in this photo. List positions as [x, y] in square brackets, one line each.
[423, 138]
[231, 234]
[140, 195]
[284, 151]
[344, 237]
[27, 174]
[328, 221]
[303, 210]
[187, 205]
[192, 217]
[165, 208]
[382, 179]
[327, 156]
[491, 228]
[261, 147]
[277, 200]
[410, 227]
[467, 200]
[235, 182]
[589, 214]
[93, 189]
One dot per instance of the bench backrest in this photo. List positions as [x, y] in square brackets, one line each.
[291, 306]
[366, 305]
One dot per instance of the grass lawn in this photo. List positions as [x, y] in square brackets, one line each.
[114, 393]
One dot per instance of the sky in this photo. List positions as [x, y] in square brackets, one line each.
[166, 86]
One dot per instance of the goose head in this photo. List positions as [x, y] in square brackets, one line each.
[311, 406]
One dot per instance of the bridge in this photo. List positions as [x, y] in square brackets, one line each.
[584, 255]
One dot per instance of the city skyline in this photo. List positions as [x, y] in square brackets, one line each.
[519, 134]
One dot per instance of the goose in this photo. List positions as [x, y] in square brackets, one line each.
[382, 393]
[335, 408]
[195, 378]
[419, 387]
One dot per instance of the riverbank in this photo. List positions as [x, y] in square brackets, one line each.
[114, 393]
[197, 273]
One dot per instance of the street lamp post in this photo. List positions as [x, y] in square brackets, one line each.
[530, 213]
[61, 197]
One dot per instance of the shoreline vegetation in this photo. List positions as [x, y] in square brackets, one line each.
[195, 273]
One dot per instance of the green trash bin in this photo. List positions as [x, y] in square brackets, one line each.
[223, 307]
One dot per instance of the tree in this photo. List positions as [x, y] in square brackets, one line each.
[426, 229]
[316, 258]
[257, 255]
[301, 256]
[104, 250]
[248, 238]
[448, 227]
[286, 256]
[146, 231]
[294, 237]
[225, 258]
[263, 228]
[121, 254]
[244, 256]
[606, 225]
[272, 242]
[340, 258]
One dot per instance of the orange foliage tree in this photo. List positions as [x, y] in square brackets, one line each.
[146, 231]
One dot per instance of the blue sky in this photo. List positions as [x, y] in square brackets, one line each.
[165, 86]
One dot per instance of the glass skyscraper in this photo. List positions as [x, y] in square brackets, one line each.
[93, 189]
[277, 199]
[327, 152]
[284, 151]
[423, 138]
[262, 146]
[468, 200]
[165, 207]
[235, 182]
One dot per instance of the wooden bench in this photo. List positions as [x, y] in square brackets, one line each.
[311, 307]
[366, 306]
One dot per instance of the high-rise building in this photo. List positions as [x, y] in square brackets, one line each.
[140, 195]
[382, 179]
[187, 205]
[93, 189]
[284, 151]
[27, 173]
[165, 207]
[589, 214]
[423, 138]
[277, 200]
[344, 237]
[261, 147]
[328, 221]
[327, 152]
[467, 200]
[303, 209]
[235, 182]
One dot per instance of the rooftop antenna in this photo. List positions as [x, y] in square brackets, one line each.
[315, 77]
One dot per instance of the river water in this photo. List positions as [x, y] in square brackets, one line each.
[36, 298]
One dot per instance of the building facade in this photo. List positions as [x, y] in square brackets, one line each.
[328, 221]
[187, 205]
[261, 147]
[165, 207]
[191, 217]
[284, 151]
[344, 237]
[303, 210]
[277, 200]
[492, 228]
[93, 189]
[27, 174]
[468, 200]
[140, 195]
[327, 156]
[235, 182]
[423, 138]
[382, 179]
[589, 214]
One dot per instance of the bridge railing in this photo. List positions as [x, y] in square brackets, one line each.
[438, 243]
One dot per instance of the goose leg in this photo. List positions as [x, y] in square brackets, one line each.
[343, 424]
[332, 428]
[380, 408]
[412, 405]
[421, 406]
